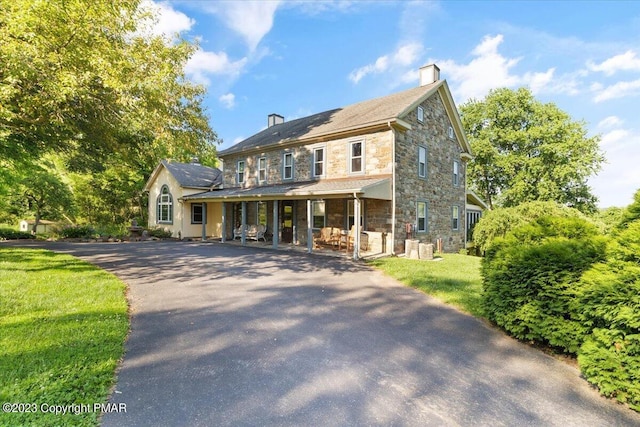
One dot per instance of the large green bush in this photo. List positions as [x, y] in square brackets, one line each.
[498, 222]
[532, 275]
[11, 234]
[77, 231]
[609, 304]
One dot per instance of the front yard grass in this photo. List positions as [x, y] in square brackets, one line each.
[63, 323]
[455, 279]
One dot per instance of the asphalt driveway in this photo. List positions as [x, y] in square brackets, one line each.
[225, 335]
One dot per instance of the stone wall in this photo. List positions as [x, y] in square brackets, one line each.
[377, 160]
[437, 189]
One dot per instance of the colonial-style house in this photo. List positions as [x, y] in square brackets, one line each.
[383, 170]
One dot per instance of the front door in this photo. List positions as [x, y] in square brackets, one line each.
[286, 224]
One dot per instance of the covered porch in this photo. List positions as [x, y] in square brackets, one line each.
[298, 215]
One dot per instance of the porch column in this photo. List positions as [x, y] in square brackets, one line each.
[276, 227]
[224, 222]
[309, 227]
[244, 224]
[356, 222]
[204, 222]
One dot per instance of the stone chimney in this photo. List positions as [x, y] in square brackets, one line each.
[429, 74]
[274, 119]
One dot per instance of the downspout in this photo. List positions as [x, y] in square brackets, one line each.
[393, 189]
[356, 222]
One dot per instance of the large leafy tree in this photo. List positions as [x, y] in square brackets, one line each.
[78, 78]
[85, 80]
[46, 195]
[527, 151]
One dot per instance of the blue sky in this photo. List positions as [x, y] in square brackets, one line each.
[296, 58]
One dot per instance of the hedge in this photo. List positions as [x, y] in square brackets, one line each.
[531, 277]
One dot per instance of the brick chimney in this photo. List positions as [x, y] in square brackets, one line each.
[274, 119]
[429, 74]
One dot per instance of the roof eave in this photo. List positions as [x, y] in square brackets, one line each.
[364, 128]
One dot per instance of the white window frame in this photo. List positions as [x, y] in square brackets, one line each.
[352, 157]
[456, 173]
[240, 171]
[262, 169]
[421, 173]
[455, 218]
[420, 114]
[322, 163]
[285, 166]
[315, 208]
[351, 213]
[425, 225]
[450, 132]
[165, 199]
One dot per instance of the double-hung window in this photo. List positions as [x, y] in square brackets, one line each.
[456, 173]
[421, 216]
[455, 218]
[165, 206]
[422, 162]
[262, 169]
[318, 213]
[197, 213]
[420, 114]
[356, 156]
[240, 172]
[287, 166]
[318, 161]
[261, 213]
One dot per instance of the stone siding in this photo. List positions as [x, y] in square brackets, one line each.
[377, 161]
[437, 189]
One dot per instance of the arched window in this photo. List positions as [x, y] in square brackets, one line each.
[165, 206]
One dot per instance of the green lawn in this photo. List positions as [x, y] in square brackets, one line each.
[63, 323]
[455, 279]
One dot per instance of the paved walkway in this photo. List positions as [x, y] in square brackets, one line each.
[225, 335]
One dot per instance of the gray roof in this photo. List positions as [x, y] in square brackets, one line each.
[194, 175]
[362, 114]
[378, 187]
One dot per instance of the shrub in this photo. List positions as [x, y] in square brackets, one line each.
[609, 305]
[498, 222]
[160, 233]
[531, 276]
[77, 231]
[11, 234]
[112, 230]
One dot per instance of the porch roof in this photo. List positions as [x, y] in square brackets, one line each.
[368, 188]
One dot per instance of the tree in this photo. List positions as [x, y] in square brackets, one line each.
[78, 78]
[631, 213]
[46, 194]
[526, 150]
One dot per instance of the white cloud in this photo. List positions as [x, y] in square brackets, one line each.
[203, 64]
[405, 56]
[624, 62]
[490, 70]
[620, 176]
[617, 90]
[609, 122]
[168, 21]
[228, 100]
[614, 137]
[252, 19]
